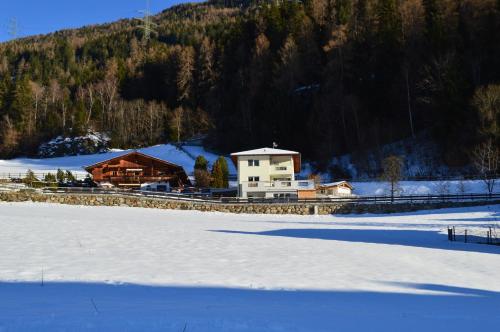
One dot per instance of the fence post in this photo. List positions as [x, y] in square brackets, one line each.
[454, 234]
[465, 239]
[450, 237]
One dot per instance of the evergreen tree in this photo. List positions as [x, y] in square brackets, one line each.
[30, 178]
[389, 25]
[20, 102]
[434, 24]
[50, 178]
[201, 163]
[217, 175]
[224, 170]
[70, 178]
[60, 176]
[201, 174]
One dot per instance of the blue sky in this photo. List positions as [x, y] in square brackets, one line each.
[43, 16]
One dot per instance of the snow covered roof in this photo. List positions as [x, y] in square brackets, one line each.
[87, 168]
[264, 151]
[335, 184]
[269, 152]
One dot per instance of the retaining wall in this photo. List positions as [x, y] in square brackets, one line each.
[281, 208]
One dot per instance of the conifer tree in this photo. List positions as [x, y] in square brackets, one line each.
[217, 176]
[201, 163]
[224, 170]
[60, 176]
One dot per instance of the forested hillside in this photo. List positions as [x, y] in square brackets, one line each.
[324, 77]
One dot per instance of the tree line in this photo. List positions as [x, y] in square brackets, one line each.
[324, 77]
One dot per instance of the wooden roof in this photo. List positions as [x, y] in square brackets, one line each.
[137, 153]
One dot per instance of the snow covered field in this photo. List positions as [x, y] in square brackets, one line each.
[76, 163]
[423, 187]
[128, 269]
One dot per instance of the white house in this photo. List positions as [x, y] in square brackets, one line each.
[270, 173]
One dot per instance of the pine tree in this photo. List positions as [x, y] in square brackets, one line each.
[61, 177]
[224, 170]
[389, 25]
[70, 178]
[434, 24]
[217, 175]
[20, 102]
[201, 174]
[201, 163]
[30, 178]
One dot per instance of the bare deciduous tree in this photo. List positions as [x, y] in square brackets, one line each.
[177, 119]
[486, 158]
[392, 166]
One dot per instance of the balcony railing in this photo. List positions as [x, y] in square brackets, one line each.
[277, 185]
[135, 179]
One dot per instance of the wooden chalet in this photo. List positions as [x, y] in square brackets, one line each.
[134, 169]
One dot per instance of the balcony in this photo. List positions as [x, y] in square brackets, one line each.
[277, 185]
[135, 179]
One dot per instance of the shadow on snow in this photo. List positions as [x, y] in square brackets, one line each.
[118, 307]
[412, 238]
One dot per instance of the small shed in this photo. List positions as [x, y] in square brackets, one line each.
[340, 188]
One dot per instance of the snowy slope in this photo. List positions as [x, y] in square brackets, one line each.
[116, 269]
[423, 187]
[75, 163]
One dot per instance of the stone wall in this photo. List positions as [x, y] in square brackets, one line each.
[281, 208]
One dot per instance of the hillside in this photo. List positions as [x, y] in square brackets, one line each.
[325, 77]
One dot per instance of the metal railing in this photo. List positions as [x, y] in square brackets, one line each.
[278, 184]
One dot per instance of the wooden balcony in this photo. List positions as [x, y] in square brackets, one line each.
[135, 179]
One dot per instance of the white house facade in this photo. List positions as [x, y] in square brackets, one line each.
[270, 173]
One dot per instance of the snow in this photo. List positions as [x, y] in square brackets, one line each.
[118, 268]
[264, 151]
[371, 188]
[75, 164]
[92, 142]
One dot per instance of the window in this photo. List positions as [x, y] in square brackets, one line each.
[281, 168]
[253, 162]
[253, 181]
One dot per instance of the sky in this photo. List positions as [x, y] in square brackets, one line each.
[44, 16]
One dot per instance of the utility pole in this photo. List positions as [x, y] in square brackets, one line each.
[148, 26]
[13, 28]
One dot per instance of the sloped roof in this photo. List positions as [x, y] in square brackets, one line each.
[132, 153]
[264, 151]
[335, 184]
[269, 152]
